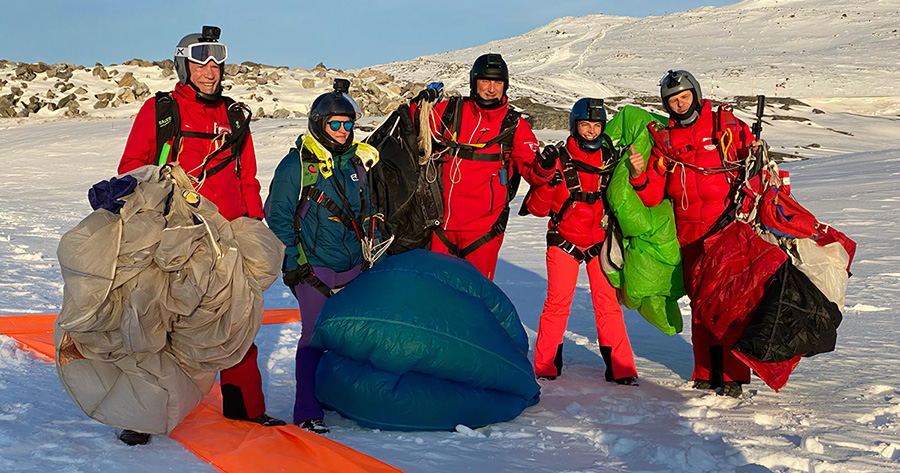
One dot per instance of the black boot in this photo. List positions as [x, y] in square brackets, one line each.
[557, 360]
[266, 420]
[606, 353]
[130, 437]
[732, 389]
[628, 381]
[716, 367]
[702, 384]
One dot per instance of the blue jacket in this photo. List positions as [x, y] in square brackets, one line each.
[322, 239]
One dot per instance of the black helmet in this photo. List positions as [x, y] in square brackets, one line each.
[591, 110]
[200, 48]
[677, 81]
[489, 67]
[328, 105]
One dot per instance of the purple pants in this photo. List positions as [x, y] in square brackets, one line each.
[306, 406]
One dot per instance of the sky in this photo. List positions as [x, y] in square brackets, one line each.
[342, 35]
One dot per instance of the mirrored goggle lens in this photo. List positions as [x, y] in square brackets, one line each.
[201, 53]
[336, 125]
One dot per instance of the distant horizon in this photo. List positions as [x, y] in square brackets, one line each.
[304, 35]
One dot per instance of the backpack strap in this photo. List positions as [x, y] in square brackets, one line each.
[168, 127]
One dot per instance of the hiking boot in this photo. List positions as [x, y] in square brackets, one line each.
[628, 381]
[547, 378]
[316, 426]
[266, 420]
[132, 438]
[702, 384]
[732, 389]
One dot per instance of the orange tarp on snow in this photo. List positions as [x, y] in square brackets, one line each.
[229, 445]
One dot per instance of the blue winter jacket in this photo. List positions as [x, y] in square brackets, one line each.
[324, 239]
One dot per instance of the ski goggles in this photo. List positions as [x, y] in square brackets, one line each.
[202, 53]
[335, 125]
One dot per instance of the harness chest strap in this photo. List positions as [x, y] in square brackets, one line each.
[570, 168]
[724, 124]
[169, 133]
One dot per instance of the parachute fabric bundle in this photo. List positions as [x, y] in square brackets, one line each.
[157, 299]
[651, 279]
[423, 341]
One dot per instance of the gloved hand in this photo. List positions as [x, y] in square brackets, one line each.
[548, 157]
[556, 179]
[428, 95]
[295, 277]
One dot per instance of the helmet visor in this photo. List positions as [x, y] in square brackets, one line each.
[201, 53]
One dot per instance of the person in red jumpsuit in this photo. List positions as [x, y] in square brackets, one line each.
[695, 162]
[484, 145]
[204, 126]
[576, 204]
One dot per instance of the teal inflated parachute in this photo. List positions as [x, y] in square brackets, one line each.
[423, 341]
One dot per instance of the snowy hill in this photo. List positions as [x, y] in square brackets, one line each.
[826, 66]
[803, 49]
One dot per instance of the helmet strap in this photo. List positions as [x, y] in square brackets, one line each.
[486, 104]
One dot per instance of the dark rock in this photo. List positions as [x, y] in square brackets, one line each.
[138, 62]
[65, 101]
[23, 72]
[542, 117]
[99, 72]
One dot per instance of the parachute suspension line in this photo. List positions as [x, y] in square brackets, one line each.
[209, 232]
[201, 168]
[372, 251]
[684, 199]
[183, 180]
[426, 135]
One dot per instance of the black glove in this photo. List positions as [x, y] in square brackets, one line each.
[297, 276]
[556, 179]
[428, 95]
[548, 157]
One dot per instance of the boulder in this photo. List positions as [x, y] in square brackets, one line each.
[65, 101]
[126, 81]
[141, 91]
[23, 72]
[100, 72]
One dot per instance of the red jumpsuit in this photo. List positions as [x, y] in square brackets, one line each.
[235, 196]
[579, 225]
[683, 168]
[474, 195]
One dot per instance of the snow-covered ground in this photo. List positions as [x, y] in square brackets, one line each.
[840, 412]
